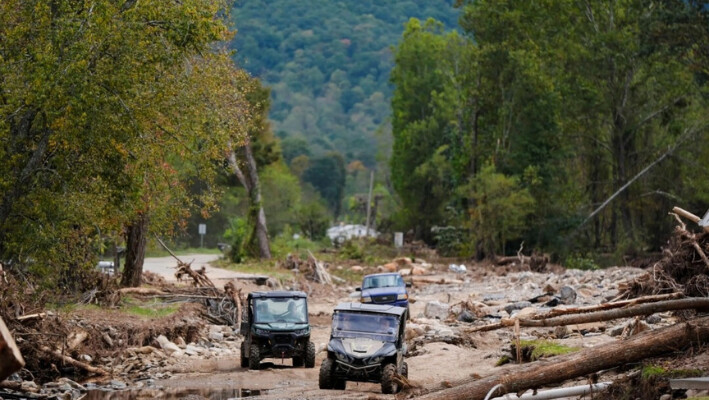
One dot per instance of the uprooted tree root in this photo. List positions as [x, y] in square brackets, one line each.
[683, 268]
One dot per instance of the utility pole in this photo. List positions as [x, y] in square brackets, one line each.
[369, 199]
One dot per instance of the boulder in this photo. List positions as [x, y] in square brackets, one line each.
[436, 310]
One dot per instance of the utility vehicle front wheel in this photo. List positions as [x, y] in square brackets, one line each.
[325, 379]
[254, 357]
[389, 385]
[310, 355]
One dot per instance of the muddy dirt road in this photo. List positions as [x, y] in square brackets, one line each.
[439, 352]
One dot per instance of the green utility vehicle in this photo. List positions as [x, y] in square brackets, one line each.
[276, 326]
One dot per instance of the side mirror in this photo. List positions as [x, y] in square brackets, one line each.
[358, 289]
[408, 284]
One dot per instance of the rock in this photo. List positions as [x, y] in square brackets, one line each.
[217, 336]
[405, 271]
[85, 357]
[525, 313]
[466, 316]
[418, 271]
[517, 306]
[567, 295]
[561, 332]
[403, 261]
[119, 385]
[436, 309]
[549, 288]
[356, 268]
[666, 397]
[169, 347]
[653, 319]
[180, 342]
[388, 267]
[414, 331]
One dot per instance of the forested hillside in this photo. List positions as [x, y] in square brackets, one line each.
[563, 126]
[327, 64]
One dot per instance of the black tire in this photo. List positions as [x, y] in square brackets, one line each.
[254, 357]
[389, 385]
[244, 359]
[325, 379]
[405, 370]
[310, 355]
[408, 313]
[297, 361]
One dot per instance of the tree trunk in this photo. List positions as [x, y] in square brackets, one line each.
[10, 357]
[560, 368]
[253, 186]
[136, 238]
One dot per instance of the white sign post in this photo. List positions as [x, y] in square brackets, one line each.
[398, 239]
[202, 232]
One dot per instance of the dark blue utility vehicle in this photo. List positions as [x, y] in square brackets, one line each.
[367, 344]
[276, 326]
[386, 288]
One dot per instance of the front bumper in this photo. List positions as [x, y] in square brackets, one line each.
[358, 371]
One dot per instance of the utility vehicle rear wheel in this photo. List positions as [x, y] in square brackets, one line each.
[310, 355]
[254, 357]
[325, 379]
[244, 359]
[389, 385]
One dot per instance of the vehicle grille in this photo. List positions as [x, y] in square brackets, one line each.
[282, 339]
[384, 299]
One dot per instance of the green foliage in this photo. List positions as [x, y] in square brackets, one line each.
[499, 209]
[652, 371]
[577, 261]
[450, 241]
[546, 348]
[327, 175]
[313, 220]
[149, 310]
[289, 242]
[237, 236]
[104, 117]
[353, 250]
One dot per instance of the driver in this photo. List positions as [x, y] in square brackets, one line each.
[293, 314]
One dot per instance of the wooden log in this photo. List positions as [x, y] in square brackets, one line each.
[696, 303]
[86, 367]
[519, 378]
[10, 357]
[689, 216]
[607, 306]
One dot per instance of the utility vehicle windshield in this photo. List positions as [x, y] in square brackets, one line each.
[382, 281]
[376, 326]
[280, 309]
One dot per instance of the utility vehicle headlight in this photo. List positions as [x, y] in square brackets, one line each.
[366, 299]
[402, 296]
[260, 332]
[302, 332]
[377, 360]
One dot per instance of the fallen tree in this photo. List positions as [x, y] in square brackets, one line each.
[520, 378]
[693, 303]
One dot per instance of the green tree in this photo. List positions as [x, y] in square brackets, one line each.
[327, 175]
[103, 122]
[501, 206]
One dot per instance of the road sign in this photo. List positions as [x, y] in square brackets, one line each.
[202, 229]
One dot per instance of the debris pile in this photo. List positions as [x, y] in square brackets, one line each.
[684, 267]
